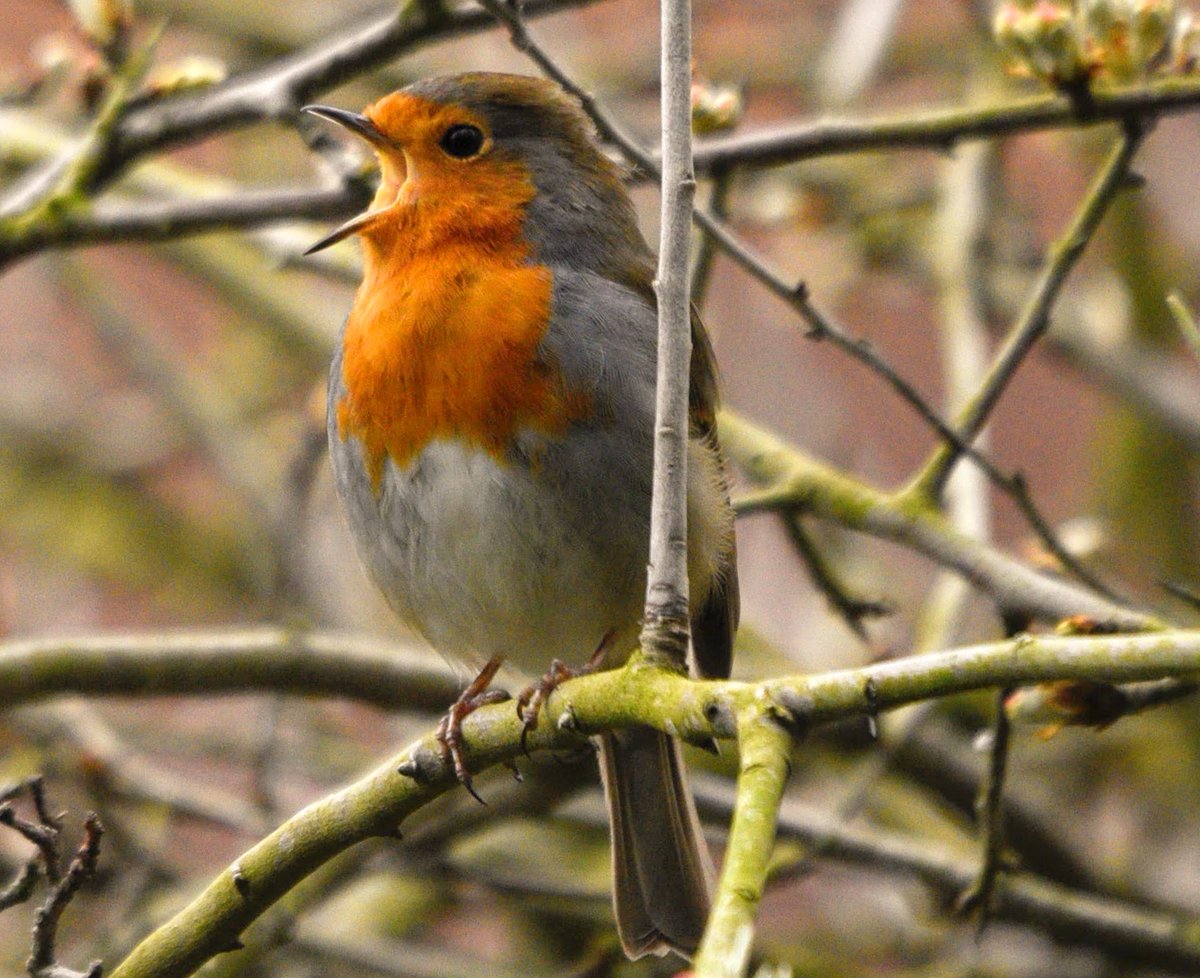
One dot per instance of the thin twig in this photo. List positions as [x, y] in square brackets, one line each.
[851, 609]
[706, 253]
[820, 325]
[45, 837]
[942, 129]
[275, 90]
[980, 898]
[1035, 318]
[1185, 321]
[1120, 928]
[41, 962]
[162, 220]
[21, 888]
[665, 622]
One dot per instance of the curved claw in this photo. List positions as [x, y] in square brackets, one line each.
[449, 729]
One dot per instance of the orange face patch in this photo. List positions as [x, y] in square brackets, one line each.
[442, 341]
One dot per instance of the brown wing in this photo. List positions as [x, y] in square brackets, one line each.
[715, 622]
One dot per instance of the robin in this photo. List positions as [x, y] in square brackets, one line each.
[491, 413]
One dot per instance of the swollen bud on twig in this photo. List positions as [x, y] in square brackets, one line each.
[1127, 38]
[192, 71]
[715, 106]
[1117, 40]
[1043, 38]
[1185, 44]
[106, 23]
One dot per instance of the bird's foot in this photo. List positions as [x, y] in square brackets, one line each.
[533, 697]
[449, 730]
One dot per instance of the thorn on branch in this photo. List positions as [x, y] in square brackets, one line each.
[871, 695]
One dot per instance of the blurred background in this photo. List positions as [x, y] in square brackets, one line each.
[161, 420]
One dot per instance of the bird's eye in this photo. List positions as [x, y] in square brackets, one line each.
[461, 141]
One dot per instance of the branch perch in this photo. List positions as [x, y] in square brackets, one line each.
[694, 709]
[665, 623]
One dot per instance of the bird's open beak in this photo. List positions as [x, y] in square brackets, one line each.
[354, 122]
[364, 128]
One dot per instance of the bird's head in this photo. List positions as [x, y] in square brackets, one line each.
[478, 147]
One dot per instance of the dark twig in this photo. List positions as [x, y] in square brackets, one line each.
[41, 962]
[980, 898]
[21, 888]
[706, 252]
[45, 837]
[1018, 491]
[37, 792]
[275, 90]
[851, 609]
[820, 325]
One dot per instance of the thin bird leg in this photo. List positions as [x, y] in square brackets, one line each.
[449, 730]
[533, 697]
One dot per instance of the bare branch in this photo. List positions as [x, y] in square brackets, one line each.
[42, 962]
[942, 129]
[277, 89]
[796, 483]
[1035, 318]
[665, 623]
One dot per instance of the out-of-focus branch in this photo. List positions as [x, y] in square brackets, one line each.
[1153, 936]
[127, 773]
[942, 129]
[1035, 317]
[387, 674]
[275, 90]
[796, 483]
[162, 220]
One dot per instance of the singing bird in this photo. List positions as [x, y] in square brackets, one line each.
[491, 414]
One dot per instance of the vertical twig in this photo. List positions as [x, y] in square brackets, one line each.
[980, 898]
[665, 629]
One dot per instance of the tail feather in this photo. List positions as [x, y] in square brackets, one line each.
[662, 872]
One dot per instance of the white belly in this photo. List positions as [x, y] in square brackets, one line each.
[488, 558]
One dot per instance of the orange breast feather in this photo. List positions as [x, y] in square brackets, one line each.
[444, 344]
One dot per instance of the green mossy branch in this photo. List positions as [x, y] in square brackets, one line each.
[376, 805]
[764, 748]
[796, 483]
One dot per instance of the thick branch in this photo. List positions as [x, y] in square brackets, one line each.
[387, 674]
[375, 805]
[765, 749]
